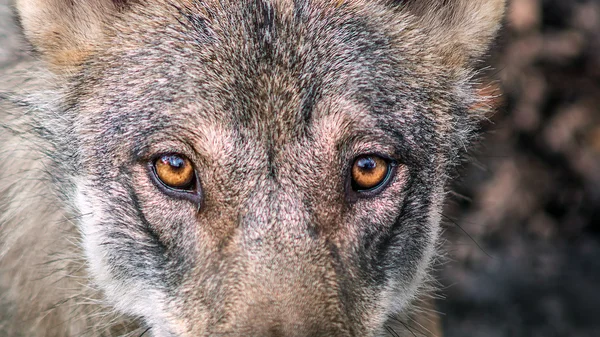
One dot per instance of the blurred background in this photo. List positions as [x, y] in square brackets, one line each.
[530, 201]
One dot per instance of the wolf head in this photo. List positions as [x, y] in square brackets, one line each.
[255, 167]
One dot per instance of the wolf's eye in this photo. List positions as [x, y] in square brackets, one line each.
[369, 172]
[175, 171]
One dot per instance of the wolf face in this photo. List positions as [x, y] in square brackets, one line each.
[257, 168]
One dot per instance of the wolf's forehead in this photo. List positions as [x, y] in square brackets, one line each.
[276, 67]
[268, 62]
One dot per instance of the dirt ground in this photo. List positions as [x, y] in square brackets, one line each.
[531, 201]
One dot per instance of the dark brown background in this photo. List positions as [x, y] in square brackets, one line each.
[532, 198]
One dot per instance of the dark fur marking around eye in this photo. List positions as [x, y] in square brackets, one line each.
[167, 255]
[416, 206]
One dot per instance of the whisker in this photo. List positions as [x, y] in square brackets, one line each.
[468, 235]
[143, 333]
[392, 331]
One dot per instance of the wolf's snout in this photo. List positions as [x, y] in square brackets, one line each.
[288, 286]
[280, 278]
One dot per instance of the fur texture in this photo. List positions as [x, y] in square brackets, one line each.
[271, 101]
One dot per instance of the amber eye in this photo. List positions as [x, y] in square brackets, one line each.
[369, 172]
[175, 171]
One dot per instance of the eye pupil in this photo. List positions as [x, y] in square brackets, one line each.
[366, 163]
[173, 161]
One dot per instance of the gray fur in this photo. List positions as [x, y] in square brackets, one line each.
[271, 101]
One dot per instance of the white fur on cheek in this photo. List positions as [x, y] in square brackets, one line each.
[127, 296]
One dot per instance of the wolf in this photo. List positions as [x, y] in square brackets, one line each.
[179, 168]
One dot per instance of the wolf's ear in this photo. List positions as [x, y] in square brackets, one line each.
[461, 29]
[64, 30]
